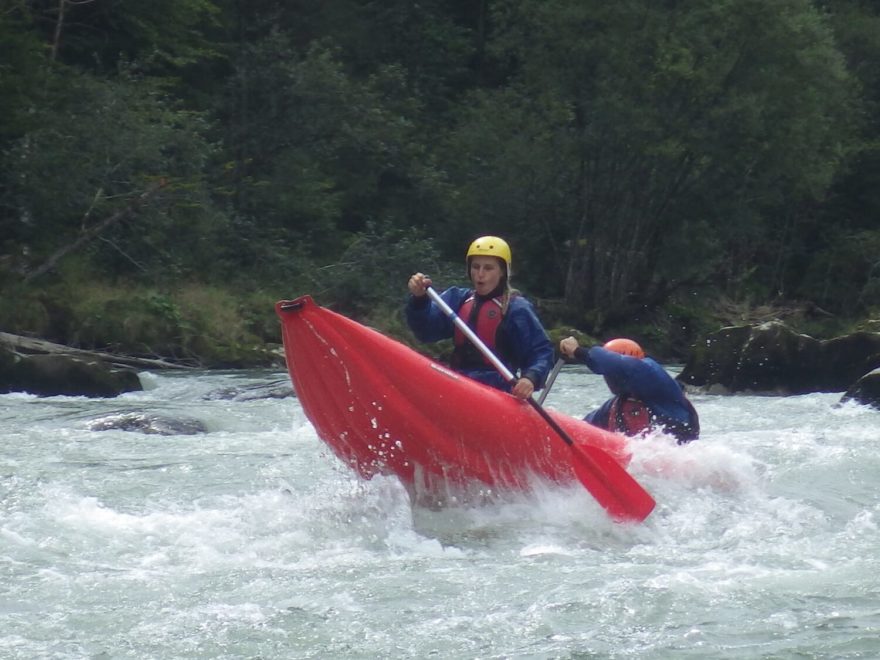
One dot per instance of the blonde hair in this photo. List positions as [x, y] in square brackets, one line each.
[509, 292]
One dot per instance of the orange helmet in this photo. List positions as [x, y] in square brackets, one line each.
[625, 347]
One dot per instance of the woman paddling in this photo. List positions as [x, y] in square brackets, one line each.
[498, 314]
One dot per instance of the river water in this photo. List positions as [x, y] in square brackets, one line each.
[253, 541]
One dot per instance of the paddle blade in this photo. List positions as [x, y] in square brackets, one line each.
[612, 486]
[619, 494]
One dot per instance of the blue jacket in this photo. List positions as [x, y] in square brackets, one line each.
[521, 342]
[645, 381]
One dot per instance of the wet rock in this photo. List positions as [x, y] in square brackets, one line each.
[865, 390]
[148, 423]
[771, 358]
[53, 375]
[280, 389]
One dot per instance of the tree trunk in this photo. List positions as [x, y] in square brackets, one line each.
[89, 233]
[28, 345]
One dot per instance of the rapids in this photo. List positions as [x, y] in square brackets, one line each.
[252, 540]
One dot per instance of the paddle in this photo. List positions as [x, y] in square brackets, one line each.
[550, 380]
[612, 486]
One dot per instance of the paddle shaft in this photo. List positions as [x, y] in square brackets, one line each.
[550, 380]
[498, 364]
[470, 334]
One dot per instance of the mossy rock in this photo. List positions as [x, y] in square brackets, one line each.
[54, 375]
[557, 334]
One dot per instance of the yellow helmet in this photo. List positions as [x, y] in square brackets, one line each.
[490, 246]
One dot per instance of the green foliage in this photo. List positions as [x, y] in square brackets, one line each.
[223, 328]
[375, 267]
[633, 153]
[206, 326]
[145, 324]
[111, 144]
[161, 34]
[320, 152]
[846, 275]
[637, 132]
[24, 312]
[509, 160]
[23, 70]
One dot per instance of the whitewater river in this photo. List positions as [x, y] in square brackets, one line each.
[253, 541]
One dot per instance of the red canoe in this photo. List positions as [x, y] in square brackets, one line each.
[385, 409]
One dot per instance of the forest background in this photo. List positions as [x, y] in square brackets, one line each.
[171, 168]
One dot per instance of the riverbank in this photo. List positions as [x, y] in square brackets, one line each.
[194, 324]
[216, 327]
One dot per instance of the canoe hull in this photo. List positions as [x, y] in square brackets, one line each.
[386, 409]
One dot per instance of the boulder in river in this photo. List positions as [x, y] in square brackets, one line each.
[865, 390]
[53, 375]
[149, 423]
[771, 358]
[279, 389]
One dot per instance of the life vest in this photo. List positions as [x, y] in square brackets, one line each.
[628, 416]
[484, 318]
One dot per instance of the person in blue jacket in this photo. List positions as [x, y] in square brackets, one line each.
[502, 318]
[645, 397]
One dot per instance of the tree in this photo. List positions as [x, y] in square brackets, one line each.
[161, 35]
[646, 132]
[96, 146]
[319, 153]
[833, 261]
